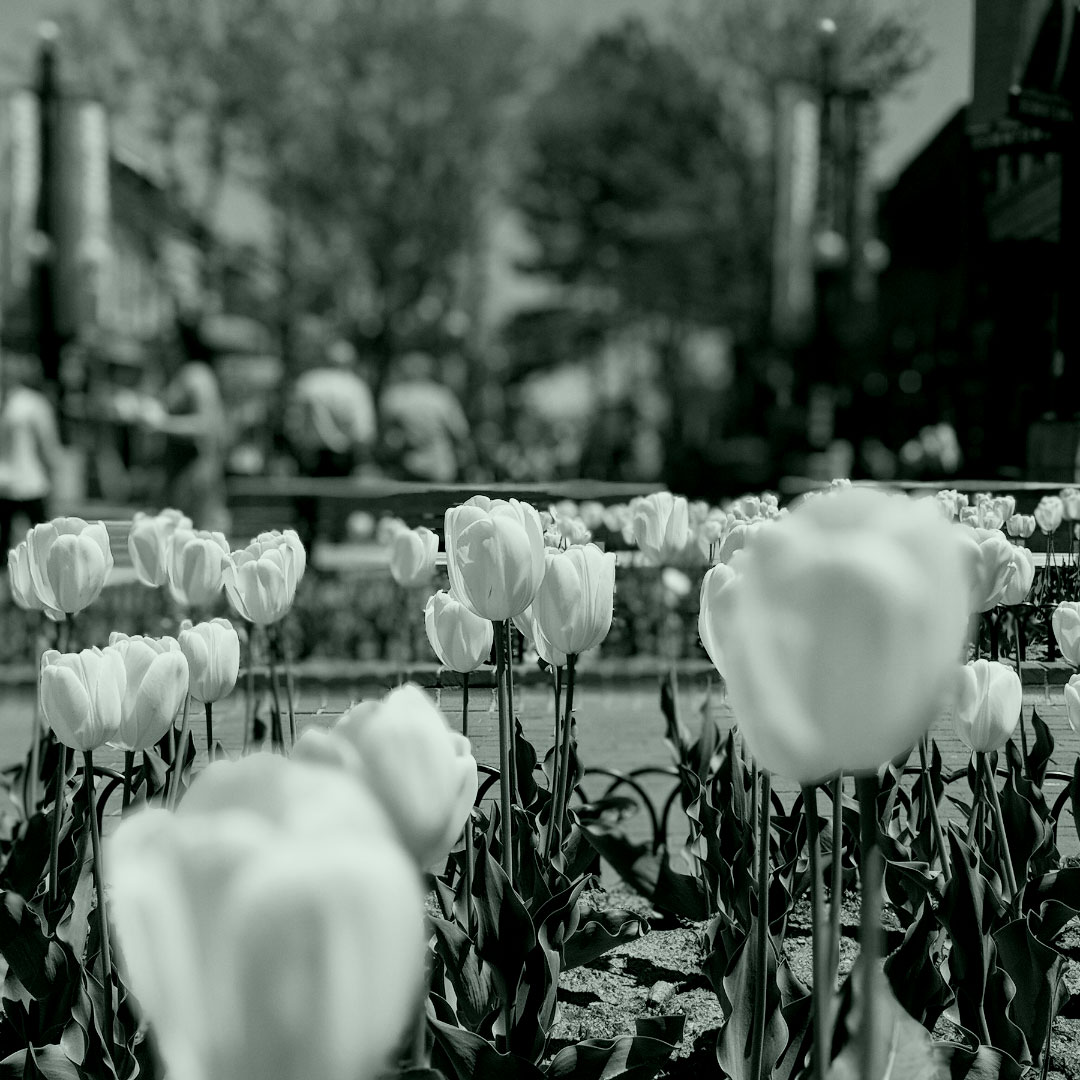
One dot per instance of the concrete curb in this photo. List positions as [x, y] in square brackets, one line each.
[647, 670]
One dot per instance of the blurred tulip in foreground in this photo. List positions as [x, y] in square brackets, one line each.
[69, 560]
[573, 605]
[843, 631]
[412, 556]
[423, 773]
[461, 640]
[82, 696]
[494, 555]
[1066, 625]
[213, 655]
[148, 544]
[271, 929]
[988, 705]
[156, 682]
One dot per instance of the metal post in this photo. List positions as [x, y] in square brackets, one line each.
[48, 105]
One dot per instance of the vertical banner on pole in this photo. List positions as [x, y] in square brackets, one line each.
[797, 159]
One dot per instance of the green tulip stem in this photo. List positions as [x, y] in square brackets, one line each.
[935, 819]
[821, 1004]
[34, 764]
[870, 874]
[515, 786]
[58, 823]
[555, 754]
[129, 771]
[277, 733]
[468, 820]
[99, 886]
[999, 825]
[289, 687]
[975, 818]
[249, 684]
[753, 795]
[836, 885]
[208, 710]
[1018, 614]
[564, 763]
[757, 1032]
[505, 809]
[178, 757]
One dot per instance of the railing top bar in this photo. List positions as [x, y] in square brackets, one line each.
[797, 485]
[361, 490]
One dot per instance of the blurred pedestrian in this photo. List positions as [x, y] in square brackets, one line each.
[190, 414]
[30, 450]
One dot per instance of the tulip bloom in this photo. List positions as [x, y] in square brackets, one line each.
[1049, 513]
[534, 637]
[1066, 624]
[82, 696]
[842, 632]
[195, 566]
[22, 587]
[256, 885]
[148, 543]
[423, 773]
[714, 610]
[661, 528]
[69, 560]
[1072, 702]
[261, 579]
[1023, 576]
[1020, 525]
[461, 640]
[992, 560]
[988, 705]
[494, 555]
[412, 556]
[212, 650]
[156, 684]
[1070, 500]
[573, 605]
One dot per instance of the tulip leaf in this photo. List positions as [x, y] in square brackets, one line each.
[740, 987]
[1041, 749]
[29, 856]
[914, 969]
[525, 760]
[40, 1063]
[1027, 820]
[1074, 796]
[977, 1062]
[599, 932]
[461, 1055]
[1035, 970]
[638, 1056]
[1055, 898]
[476, 999]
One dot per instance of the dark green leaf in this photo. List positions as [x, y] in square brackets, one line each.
[630, 1057]
[976, 1062]
[599, 932]
[1040, 750]
[461, 1055]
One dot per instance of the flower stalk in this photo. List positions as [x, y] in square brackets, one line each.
[564, 763]
[822, 999]
[871, 871]
[999, 824]
[932, 805]
[178, 756]
[505, 808]
[99, 886]
[761, 944]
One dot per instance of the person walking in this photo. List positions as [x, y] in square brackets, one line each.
[31, 453]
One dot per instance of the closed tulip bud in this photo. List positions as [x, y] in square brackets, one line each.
[534, 638]
[1022, 578]
[494, 555]
[156, 677]
[148, 543]
[969, 516]
[714, 610]
[412, 556]
[1072, 702]
[212, 650]
[195, 566]
[1020, 525]
[842, 631]
[82, 696]
[220, 906]
[461, 640]
[69, 560]
[1005, 506]
[1070, 501]
[261, 579]
[1066, 624]
[1049, 513]
[661, 525]
[22, 587]
[992, 561]
[423, 773]
[290, 541]
[988, 705]
[573, 605]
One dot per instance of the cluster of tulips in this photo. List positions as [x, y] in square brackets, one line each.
[270, 912]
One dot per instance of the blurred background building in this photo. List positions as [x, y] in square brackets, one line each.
[713, 243]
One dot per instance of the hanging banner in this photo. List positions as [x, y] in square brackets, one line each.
[797, 165]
